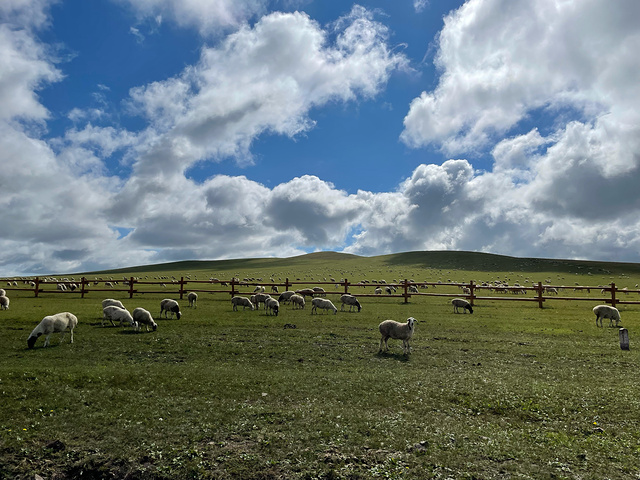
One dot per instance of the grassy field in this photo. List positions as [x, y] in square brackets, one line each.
[512, 391]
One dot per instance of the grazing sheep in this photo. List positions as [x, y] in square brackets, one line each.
[286, 296]
[319, 291]
[50, 324]
[297, 301]
[169, 306]
[400, 331]
[242, 301]
[193, 299]
[110, 301]
[274, 289]
[324, 304]
[272, 306]
[350, 300]
[306, 292]
[117, 314]
[143, 317]
[259, 298]
[258, 289]
[4, 302]
[461, 303]
[607, 311]
[378, 291]
[2, 292]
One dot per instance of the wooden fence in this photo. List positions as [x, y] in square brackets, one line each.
[405, 290]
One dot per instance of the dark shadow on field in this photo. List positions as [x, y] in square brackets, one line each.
[400, 357]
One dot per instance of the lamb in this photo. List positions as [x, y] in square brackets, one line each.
[117, 314]
[401, 331]
[350, 300]
[272, 306]
[324, 304]
[110, 301]
[169, 306]
[242, 301]
[143, 317]
[193, 299]
[461, 303]
[607, 311]
[297, 300]
[4, 302]
[50, 324]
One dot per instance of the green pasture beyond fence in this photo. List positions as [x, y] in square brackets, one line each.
[472, 291]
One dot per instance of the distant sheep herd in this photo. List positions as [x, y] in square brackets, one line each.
[114, 312]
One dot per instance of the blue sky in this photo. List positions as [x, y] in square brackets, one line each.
[144, 131]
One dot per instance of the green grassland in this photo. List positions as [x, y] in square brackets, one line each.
[512, 391]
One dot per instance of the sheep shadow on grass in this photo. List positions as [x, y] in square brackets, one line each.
[400, 357]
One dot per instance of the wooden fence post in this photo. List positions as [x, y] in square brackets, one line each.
[233, 287]
[346, 286]
[181, 287]
[540, 299]
[471, 295]
[131, 287]
[37, 288]
[613, 294]
[406, 293]
[82, 283]
[286, 284]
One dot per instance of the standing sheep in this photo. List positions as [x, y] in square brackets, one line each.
[260, 298]
[193, 299]
[607, 311]
[51, 324]
[461, 303]
[272, 306]
[324, 304]
[244, 302]
[350, 300]
[117, 314]
[400, 331]
[143, 317]
[297, 300]
[4, 302]
[110, 301]
[169, 306]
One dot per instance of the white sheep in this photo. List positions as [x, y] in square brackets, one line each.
[319, 291]
[606, 311]
[2, 292]
[4, 302]
[244, 302]
[285, 296]
[461, 303]
[107, 302]
[400, 331]
[272, 306]
[350, 300]
[117, 314]
[143, 317]
[169, 306]
[50, 324]
[378, 291]
[193, 299]
[297, 300]
[259, 298]
[324, 304]
[258, 289]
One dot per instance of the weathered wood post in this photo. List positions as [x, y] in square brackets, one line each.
[83, 281]
[181, 287]
[233, 287]
[540, 299]
[36, 290]
[624, 338]
[406, 293]
[613, 294]
[346, 286]
[472, 286]
[131, 287]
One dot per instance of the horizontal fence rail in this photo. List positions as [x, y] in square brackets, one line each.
[406, 289]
